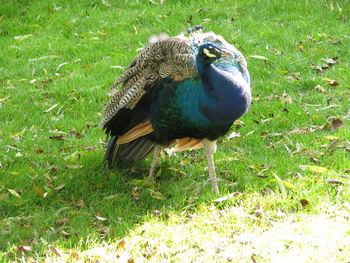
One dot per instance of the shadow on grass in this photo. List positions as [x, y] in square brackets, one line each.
[91, 205]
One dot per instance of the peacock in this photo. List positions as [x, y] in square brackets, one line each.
[185, 90]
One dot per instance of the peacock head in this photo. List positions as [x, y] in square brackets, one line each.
[209, 52]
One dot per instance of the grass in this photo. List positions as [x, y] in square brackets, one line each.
[288, 170]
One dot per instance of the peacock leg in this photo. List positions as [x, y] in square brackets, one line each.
[210, 149]
[156, 152]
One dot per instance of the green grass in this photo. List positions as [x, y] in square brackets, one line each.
[55, 192]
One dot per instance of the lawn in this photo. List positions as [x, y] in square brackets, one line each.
[284, 177]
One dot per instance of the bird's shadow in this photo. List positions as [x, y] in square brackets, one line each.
[104, 205]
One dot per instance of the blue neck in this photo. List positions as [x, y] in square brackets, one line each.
[230, 98]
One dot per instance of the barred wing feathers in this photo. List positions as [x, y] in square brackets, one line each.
[167, 57]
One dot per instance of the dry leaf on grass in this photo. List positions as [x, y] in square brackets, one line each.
[23, 248]
[304, 202]
[38, 191]
[259, 57]
[62, 221]
[118, 67]
[334, 181]
[80, 203]
[51, 108]
[56, 251]
[13, 192]
[337, 124]
[65, 234]
[331, 61]
[227, 197]
[74, 254]
[61, 186]
[57, 137]
[331, 82]
[319, 88]
[276, 51]
[100, 218]
[121, 244]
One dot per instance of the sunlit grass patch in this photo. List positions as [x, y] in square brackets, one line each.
[225, 235]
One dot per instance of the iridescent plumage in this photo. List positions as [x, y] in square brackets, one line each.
[184, 89]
